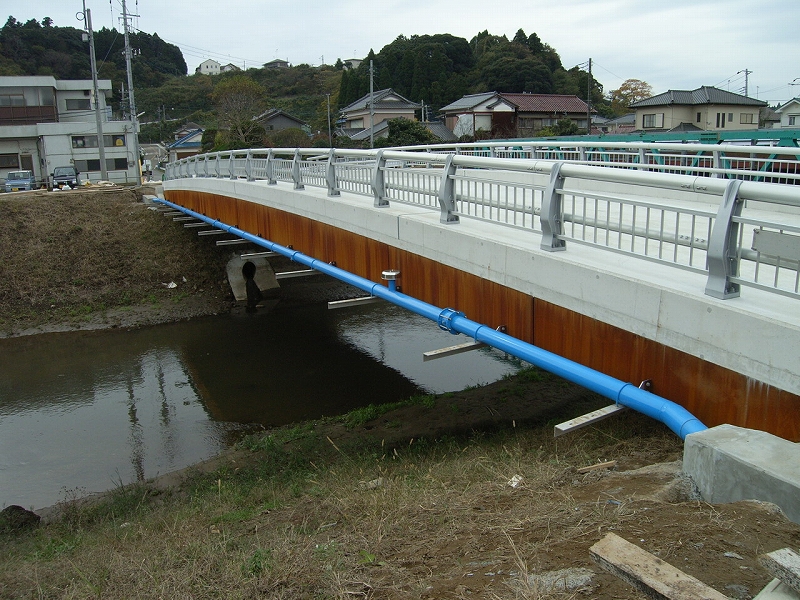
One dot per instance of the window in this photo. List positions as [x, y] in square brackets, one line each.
[90, 141]
[747, 118]
[792, 119]
[720, 120]
[79, 104]
[82, 166]
[112, 164]
[730, 117]
[526, 123]
[698, 117]
[12, 100]
[653, 120]
[9, 161]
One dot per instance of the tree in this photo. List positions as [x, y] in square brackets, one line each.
[631, 90]
[404, 132]
[238, 100]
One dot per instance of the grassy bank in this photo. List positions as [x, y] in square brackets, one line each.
[91, 257]
[328, 510]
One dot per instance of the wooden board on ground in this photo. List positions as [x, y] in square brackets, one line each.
[647, 573]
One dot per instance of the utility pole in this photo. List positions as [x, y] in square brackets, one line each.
[330, 137]
[371, 108]
[589, 101]
[746, 79]
[101, 145]
[131, 102]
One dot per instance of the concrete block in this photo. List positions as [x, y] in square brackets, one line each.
[729, 463]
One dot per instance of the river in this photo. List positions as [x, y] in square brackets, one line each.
[83, 412]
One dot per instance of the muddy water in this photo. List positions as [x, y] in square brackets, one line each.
[83, 412]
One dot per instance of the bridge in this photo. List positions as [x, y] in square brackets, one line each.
[675, 267]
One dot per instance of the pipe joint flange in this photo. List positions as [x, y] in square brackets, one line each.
[445, 320]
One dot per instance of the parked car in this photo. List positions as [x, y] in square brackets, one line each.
[20, 180]
[66, 176]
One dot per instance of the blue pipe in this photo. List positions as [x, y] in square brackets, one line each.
[674, 416]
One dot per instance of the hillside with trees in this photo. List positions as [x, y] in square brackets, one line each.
[34, 48]
[431, 69]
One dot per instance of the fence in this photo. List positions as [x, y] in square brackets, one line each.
[737, 232]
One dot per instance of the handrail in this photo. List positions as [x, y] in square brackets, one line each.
[608, 208]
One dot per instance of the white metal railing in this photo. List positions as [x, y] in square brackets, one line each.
[770, 164]
[738, 233]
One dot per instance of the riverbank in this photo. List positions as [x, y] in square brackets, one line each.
[99, 257]
[465, 494]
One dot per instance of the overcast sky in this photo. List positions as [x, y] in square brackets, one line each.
[670, 44]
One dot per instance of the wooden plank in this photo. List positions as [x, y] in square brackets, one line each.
[783, 564]
[451, 350]
[353, 302]
[610, 464]
[302, 273]
[647, 573]
[587, 419]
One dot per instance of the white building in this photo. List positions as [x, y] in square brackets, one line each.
[46, 123]
[790, 114]
[208, 67]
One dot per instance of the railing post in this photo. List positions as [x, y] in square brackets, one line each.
[550, 216]
[582, 154]
[297, 177]
[330, 174]
[205, 166]
[248, 165]
[447, 192]
[271, 167]
[722, 257]
[717, 164]
[231, 167]
[379, 182]
[642, 158]
[217, 165]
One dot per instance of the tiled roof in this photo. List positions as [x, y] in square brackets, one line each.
[546, 103]
[469, 102]
[441, 131]
[387, 98]
[702, 95]
[190, 140]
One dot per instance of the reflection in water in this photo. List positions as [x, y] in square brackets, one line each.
[90, 410]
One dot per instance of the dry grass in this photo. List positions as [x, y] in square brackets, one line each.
[64, 257]
[307, 521]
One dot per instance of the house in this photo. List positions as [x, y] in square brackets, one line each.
[790, 114]
[352, 63]
[707, 108]
[185, 129]
[275, 119]
[369, 112]
[208, 67]
[47, 123]
[537, 111]
[190, 144]
[488, 112]
[229, 68]
[621, 125]
[278, 63]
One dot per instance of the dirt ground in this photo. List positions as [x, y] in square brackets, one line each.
[527, 540]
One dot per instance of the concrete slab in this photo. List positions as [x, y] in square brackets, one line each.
[777, 590]
[729, 463]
